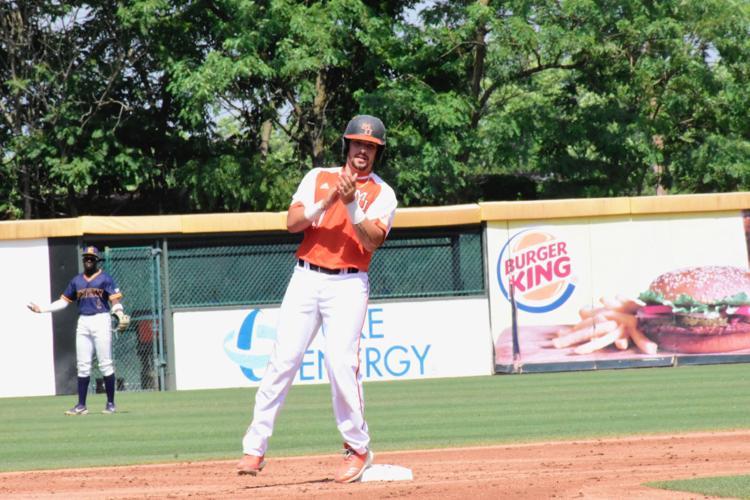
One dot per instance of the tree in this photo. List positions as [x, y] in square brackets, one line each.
[59, 65]
[582, 98]
[276, 83]
[158, 106]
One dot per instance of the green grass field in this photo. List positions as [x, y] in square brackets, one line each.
[727, 487]
[199, 425]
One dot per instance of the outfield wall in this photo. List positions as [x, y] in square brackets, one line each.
[564, 266]
[614, 247]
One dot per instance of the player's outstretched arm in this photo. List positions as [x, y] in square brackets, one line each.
[57, 305]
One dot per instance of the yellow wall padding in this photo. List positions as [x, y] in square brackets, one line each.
[146, 224]
[211, 223]
[42, 228]
[454, 215]
[690, 203]
[554, 209]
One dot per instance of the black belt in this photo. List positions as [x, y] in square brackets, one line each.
[325, 270]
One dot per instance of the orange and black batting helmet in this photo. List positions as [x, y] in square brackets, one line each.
[365, 128]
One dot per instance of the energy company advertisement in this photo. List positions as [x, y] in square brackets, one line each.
[619, 289]
[401, 340]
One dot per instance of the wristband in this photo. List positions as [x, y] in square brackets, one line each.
[355, 212]
[313, 212]
[117, 307]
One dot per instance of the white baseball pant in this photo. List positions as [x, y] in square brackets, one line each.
[339, 303]
[94, 334]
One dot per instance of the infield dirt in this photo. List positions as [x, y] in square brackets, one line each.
[592, 469]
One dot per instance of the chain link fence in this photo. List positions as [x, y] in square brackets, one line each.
[135, 350]
[406, 266]
[250, 272]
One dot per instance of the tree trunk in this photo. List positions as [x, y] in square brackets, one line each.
[319, 119]
[26, 192]
[265, 138]
[658, 141]
[477, 75]
[480, 53]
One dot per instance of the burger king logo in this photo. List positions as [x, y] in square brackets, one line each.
[537, 267]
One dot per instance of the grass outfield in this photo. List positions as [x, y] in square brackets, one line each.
[725, 487]
[417, 414]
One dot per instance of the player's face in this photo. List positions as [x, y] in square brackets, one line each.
[89, 263]
[361, 156]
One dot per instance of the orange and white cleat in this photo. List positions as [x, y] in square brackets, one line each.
[250, 465]
[354, 465]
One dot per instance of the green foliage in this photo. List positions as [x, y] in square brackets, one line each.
[156, 106]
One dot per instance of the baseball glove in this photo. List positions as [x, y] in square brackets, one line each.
[123, 321]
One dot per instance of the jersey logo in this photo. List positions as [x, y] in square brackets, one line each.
[85, 293]
[362, 199]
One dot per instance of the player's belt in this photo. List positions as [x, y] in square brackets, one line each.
[325, 270]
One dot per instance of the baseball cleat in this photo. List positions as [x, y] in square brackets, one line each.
[109, 409]
[77, 410]
[250, 465]
[354, 465]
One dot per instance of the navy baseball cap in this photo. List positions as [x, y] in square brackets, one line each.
[92, 251]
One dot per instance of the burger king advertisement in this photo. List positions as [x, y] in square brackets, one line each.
[617, 291]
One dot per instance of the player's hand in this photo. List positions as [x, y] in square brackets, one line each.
[346, 186]
[331, 196]
[123, 321]
[33, 307]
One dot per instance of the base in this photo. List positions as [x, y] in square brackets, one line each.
[384, 472]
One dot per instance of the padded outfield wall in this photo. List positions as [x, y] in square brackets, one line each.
[440, 304]
[593, 257]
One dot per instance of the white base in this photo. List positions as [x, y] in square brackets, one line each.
[384, 472]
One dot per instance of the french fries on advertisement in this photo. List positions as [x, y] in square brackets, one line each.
[611, 323]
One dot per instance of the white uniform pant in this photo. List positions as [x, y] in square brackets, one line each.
[339, 303]
[94, 334]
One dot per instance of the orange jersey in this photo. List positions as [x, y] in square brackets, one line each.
[331, 241]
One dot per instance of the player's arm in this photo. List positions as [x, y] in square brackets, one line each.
[300, 217]
[67, 297]
[123, 320]
[369, 234]
[117, 310]
[57, 305]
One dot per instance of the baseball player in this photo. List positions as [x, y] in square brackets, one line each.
[93, 290]
[345, 213]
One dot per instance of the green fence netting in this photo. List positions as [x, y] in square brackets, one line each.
[410, 265]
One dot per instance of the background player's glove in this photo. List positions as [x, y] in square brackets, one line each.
[123, 321]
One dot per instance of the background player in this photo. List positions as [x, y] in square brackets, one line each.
[345, 213]
[93, 290]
